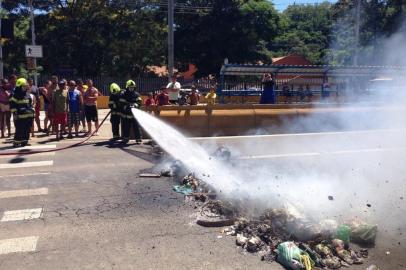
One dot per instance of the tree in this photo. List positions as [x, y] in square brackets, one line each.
[237, 30]
[305, 30]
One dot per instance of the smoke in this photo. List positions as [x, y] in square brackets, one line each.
[345, 176]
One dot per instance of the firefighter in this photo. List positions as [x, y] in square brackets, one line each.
[130, 99]
[114, 105]
[22, 107]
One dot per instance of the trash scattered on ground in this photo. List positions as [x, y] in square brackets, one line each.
[183, 189]
[150, 175]
[216, 214]
[283, 235]
[222, 153]
[364, 234]
[373, 267]
[175, 169]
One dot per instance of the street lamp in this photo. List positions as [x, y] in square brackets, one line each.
[30, 2]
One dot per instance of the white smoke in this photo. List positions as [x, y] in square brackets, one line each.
[345, 176]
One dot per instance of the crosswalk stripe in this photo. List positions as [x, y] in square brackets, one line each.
[24, 175]
[23, 214]
[32, 155]
[35, 147]
[23, 244]
[23, 193]
[26, 164]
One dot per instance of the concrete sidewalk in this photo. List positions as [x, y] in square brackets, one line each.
[40, 137]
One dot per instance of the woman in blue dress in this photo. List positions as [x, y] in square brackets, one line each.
[268, 93]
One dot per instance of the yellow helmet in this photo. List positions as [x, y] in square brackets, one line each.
[114, 88]
[130, 83]
[21, 82]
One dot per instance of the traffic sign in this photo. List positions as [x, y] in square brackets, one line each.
[33, 51]
[31, 64]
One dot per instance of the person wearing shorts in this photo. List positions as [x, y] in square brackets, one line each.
[75, 104]
[82, 88]
[50, 89]
[60, 109]
[90, 100]
[5, 113]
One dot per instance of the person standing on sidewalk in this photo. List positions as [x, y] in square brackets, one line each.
[21, 105]
[173, 89]
[49, 108]
[81, 88]
[130, 99]
[114, 105]
[5, 114]
[90, 100]
[35, 91]
[60, 109]
[75, 103]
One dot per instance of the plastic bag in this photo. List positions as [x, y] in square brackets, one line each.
[364, 234]
[344, 233]
[292, 257]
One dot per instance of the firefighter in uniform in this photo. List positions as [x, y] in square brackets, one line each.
[115, 109]
[21, 105]
[130, 99]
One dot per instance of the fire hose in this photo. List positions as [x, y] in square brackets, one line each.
[23, 153]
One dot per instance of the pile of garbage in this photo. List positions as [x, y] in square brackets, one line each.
[284, 236]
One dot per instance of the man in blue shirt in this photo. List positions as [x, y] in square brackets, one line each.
[75, 104]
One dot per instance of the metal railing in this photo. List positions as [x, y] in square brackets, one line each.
[144, 84]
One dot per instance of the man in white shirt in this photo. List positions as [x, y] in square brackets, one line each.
[173, 89]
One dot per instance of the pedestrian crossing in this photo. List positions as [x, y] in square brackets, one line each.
[23, 214]
[20, 161]
[22, 244]
[23, 193]
[13, 167]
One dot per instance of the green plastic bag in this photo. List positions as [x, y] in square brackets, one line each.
[184, 189]
[344, 233]
[292, 257]
[364, 234]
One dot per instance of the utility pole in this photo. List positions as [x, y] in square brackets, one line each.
[171, 37]
[1, 43]
[33, 39]
[357, 30]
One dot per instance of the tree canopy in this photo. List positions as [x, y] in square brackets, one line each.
[123, 38]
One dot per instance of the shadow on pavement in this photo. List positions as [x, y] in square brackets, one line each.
[17, 160]
[142, 155]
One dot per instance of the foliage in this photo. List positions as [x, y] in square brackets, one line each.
[123, 38]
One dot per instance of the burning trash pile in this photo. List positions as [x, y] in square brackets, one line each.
[284, 236]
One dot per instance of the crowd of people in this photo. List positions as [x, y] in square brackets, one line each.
[172, 94]
[67, 105]
[71, 107]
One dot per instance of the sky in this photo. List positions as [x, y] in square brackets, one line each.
[282, 4]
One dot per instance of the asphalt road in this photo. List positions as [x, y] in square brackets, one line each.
[363, 170]
[86, 207]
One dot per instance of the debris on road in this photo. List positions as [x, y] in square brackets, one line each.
[285, 236]
[183, 189]
[150, 175]
[373, 267]
[222, 153]
[216, 214]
